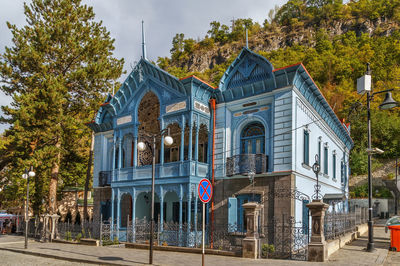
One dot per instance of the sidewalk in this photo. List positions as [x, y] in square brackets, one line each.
[353, 254]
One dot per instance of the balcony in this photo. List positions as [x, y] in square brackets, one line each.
[104, 178]
[243, 164]
[167, 170]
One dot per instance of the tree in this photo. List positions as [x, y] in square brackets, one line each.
[177, 45]
[57, 72]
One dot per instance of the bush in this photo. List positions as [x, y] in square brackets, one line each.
[78, 237]
[390, 176]
[267, 250]
[68, 236]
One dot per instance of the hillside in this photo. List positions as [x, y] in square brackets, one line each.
[333, 40]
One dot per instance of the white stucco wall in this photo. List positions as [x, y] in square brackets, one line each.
[305, 117]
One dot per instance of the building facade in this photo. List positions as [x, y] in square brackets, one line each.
[256, 137]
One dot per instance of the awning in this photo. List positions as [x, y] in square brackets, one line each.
[334, 196]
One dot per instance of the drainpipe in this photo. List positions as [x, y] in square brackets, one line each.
[212, 104]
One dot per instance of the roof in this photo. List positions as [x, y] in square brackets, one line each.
[251, 74]
[143, 71]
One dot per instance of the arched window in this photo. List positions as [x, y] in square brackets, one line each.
[252, 139]
[148, 116]
[203, 144]
[127, 151]
[172, 153]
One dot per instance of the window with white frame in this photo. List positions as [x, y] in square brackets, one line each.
[326, 158]
[334, 165]
[306, 147]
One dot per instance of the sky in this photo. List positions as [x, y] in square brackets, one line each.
[162, 20]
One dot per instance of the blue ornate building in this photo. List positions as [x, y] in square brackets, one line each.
[269, 124]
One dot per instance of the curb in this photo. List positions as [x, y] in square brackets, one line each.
[60, 257]
[184, 250]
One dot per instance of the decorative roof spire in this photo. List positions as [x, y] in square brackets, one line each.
[247, 40]
[144, 56]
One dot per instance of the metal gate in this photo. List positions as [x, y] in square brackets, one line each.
[284, 237]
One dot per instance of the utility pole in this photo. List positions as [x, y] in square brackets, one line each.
[397, 190]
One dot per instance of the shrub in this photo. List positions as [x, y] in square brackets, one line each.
[68, 236]
[78, 237]
[267, 249]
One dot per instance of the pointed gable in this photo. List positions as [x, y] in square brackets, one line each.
[248, 75]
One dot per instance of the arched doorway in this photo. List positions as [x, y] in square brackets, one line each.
[126, 209]
[143, 206]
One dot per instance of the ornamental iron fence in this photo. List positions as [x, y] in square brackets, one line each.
[338, 224]
[243, 164]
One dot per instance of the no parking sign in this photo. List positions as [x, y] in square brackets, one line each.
[205, 190]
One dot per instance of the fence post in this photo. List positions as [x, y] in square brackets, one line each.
[283, 233]
[117, 230]
[317, 250]
[127, 229]
[101, 229]
[251, 243]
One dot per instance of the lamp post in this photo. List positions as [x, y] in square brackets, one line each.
[316, 169]
[151, 139]
[397, 190]
[362, 87]
[26, 176]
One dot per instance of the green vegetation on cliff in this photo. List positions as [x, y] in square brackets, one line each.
[333, 40]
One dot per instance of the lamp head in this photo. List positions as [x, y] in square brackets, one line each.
[31, 172]
[141, 146]
[389, 102]
[168, 140]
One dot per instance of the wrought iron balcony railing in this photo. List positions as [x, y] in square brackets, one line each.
[104, 178]
[243, 164]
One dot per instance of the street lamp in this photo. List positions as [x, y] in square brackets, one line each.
[316, 168]
[26, 176]
[151, 139]
[364, 85]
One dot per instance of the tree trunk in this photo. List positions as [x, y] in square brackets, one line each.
[88, 175]
[54, 180]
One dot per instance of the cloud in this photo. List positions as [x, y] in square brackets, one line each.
[163, 19]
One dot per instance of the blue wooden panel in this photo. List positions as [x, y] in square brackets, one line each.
[232, 214]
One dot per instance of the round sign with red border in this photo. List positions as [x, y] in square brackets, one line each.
[205, 190]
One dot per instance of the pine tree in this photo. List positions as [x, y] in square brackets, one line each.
[57, 72]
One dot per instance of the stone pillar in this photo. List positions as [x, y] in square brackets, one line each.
[251, 243]
[317, 250]
[53, 230]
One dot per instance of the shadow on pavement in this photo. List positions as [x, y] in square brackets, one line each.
[110, 258]
[94, 256]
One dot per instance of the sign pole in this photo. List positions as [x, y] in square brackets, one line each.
[205, 191]
[204, 225]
